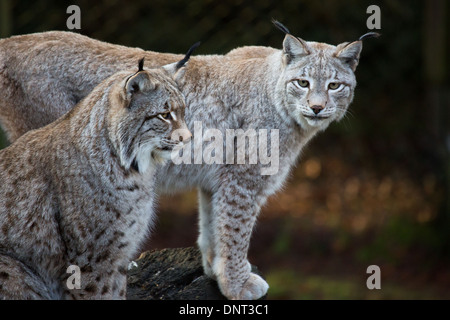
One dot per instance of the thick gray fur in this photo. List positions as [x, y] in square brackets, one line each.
[79, 191]
[44, 75]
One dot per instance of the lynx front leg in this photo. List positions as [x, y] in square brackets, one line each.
[235, 214]
[205, 239]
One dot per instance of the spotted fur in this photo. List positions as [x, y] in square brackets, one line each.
[80, 190]
[250, 87]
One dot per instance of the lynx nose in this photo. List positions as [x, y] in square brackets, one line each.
[317, 108]
[184, 135]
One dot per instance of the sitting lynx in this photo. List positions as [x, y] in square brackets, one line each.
[298, 90]
[80, 190]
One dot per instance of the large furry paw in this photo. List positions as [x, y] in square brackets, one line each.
[254, 288]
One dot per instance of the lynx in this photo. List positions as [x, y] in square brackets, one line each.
[79, 191]
[298, 90]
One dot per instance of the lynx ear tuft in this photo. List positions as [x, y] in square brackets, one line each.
[369, 35]
[141, 65]
[173, 68]
[280, 26]
[182, 62]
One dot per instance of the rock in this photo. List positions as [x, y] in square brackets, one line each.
[171, 274]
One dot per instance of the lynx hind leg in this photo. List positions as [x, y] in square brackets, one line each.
[235, 214]
[205, 238]
[18, 282]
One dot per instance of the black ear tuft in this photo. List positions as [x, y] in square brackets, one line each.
[141, 65]
[369, 35]
[182, 62]
[280, 26]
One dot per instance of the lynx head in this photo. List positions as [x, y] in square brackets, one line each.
[146, 115]
[318, 80]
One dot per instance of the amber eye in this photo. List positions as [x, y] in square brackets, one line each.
[166, 115]
[334, 85]
[303, 83]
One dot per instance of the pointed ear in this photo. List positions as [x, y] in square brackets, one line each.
[293, 48]
[137, 83]
[349, 53]
[175, 68]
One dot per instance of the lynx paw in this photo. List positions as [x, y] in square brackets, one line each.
[254, 288]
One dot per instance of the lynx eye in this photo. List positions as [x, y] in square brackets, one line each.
[334, 86]
[303, 83]
[166, 116]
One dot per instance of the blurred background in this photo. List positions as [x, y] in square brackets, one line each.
[371, 190]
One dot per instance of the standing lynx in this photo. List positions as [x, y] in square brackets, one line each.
[80, 190]
[298, 90]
